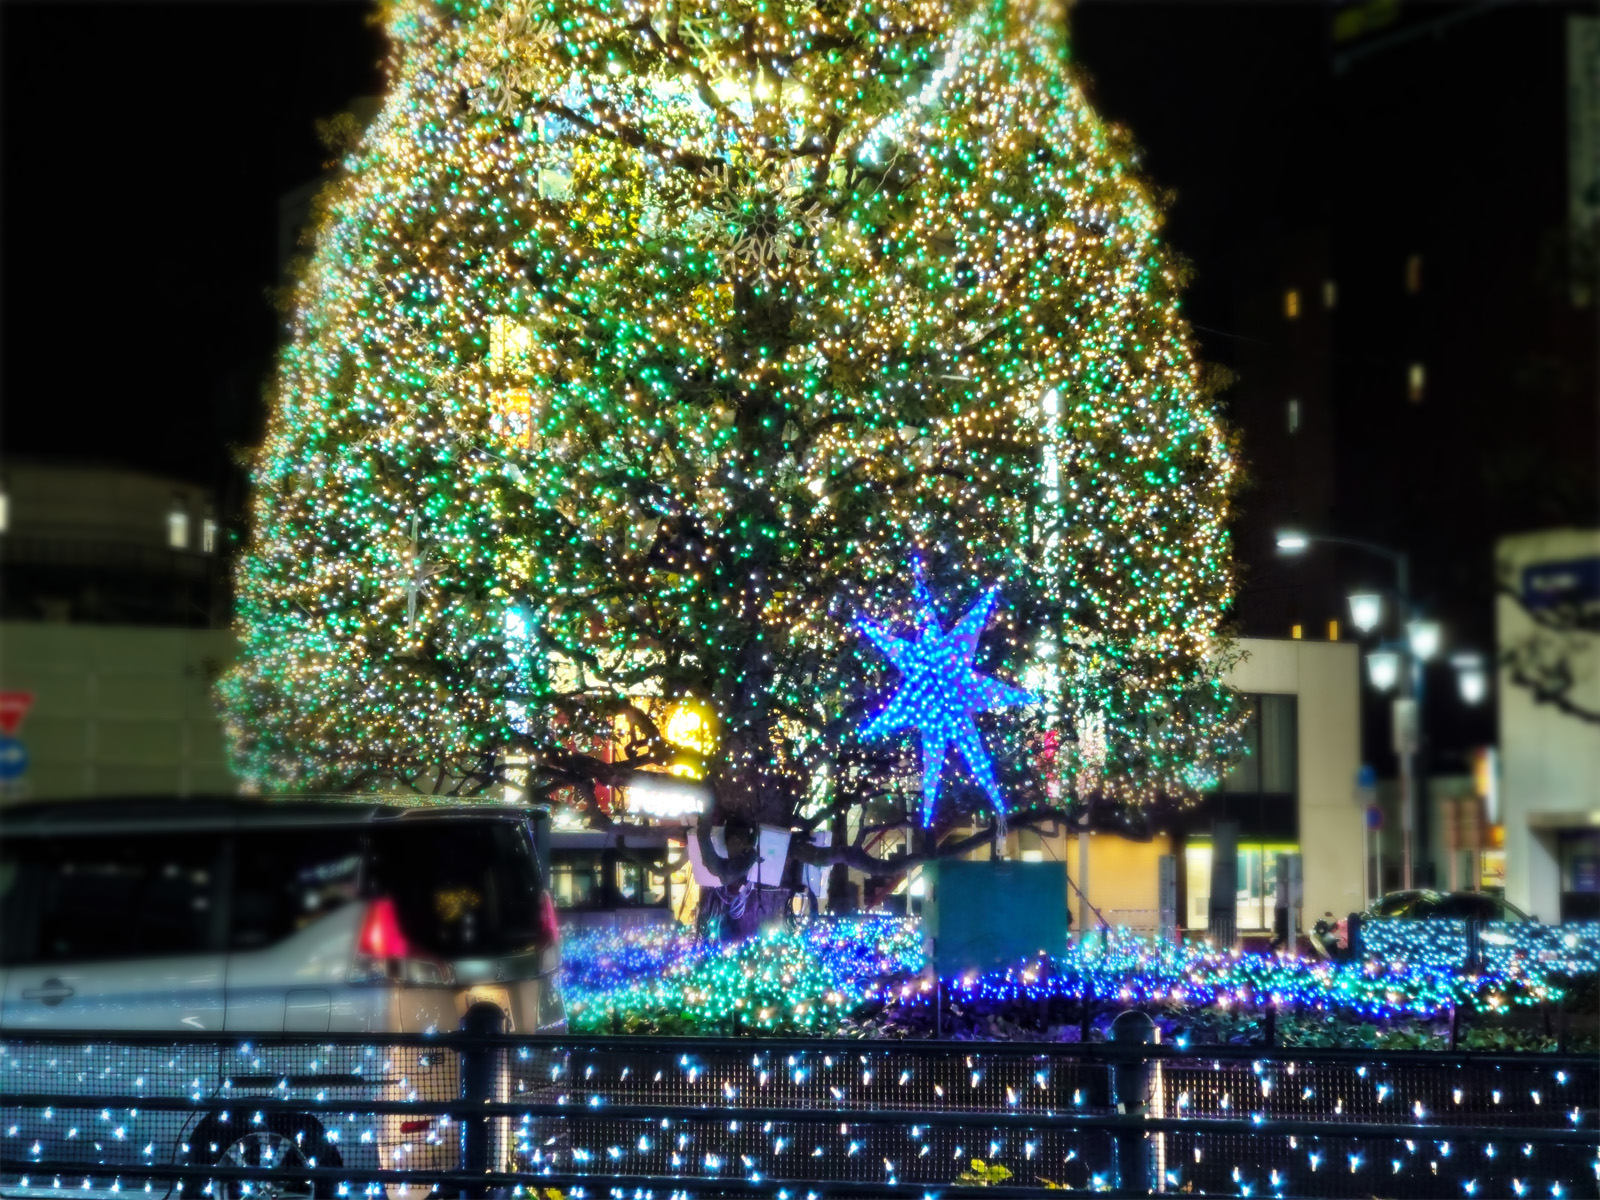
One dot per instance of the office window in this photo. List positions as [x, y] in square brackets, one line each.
[178, 526]
[1416, 382]
[1414, 274]
[1291, 303]
[1330, 294]
[1294, 416]
[1270, 763]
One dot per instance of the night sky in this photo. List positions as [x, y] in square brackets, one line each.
[146, 148]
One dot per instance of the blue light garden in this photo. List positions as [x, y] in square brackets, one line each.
[867, 977]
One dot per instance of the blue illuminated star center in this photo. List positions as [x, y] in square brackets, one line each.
[940, 692]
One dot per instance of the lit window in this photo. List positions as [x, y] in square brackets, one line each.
[1291, 303]
[1295, 632]
[208, 536]
[1294, 416]
[178, 527]
[1333, 630]
[1416, 382]
[510, 346]
[1414, 274]
[5, 512]
[555, 183]
[1330, 294]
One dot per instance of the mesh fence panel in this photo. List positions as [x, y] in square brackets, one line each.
[700, 1115]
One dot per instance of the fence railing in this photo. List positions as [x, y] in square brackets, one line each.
[335, 1115]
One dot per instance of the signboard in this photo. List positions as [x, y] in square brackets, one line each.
[13, 759]
[1405, 731]
[1492, 874]
[13, 707]
[1573, 585]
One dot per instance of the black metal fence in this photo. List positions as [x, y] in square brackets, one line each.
[350, 1115]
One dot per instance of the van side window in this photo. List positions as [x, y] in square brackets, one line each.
[81, 899]
[283, 881]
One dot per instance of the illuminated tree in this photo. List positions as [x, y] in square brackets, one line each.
[642, 347]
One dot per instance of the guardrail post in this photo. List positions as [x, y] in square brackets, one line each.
[479, 1074]
[1130, 1092]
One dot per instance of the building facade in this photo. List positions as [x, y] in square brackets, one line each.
[110, 637]
[1547, 618]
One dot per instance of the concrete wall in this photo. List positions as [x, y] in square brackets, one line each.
[1326, 678]
[1550, 760]
[1123, 873]
[118, 710]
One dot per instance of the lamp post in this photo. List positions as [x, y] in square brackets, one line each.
[1397, 668]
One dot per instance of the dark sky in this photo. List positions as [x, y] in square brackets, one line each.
[145, 147]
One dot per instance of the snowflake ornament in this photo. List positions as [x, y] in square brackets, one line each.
[940, 692]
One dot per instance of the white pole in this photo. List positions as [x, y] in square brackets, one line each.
[1083, 878]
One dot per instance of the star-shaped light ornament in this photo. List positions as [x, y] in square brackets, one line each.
[940, 692]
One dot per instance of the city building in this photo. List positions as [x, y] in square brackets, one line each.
[112, 632]
[1402, 366]
[1547, 617]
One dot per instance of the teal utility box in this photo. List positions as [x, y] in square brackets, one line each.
[980, 915]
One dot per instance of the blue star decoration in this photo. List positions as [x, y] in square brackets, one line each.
[940, 692]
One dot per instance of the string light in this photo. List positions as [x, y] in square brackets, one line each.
[635, 347]
[813, 976]
[940, 692]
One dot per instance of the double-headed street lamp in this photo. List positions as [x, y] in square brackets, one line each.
[1397, 667]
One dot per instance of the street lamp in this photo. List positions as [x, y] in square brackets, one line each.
[1397, 668]
[1472, 681]
[1366, 610]
[1383, 669]
[1424, 637]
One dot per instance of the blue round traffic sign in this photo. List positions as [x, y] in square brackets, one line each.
[13, 759]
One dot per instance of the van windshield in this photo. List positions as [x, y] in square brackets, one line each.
[462, 889]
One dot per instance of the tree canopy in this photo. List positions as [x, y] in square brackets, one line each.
[638, 350]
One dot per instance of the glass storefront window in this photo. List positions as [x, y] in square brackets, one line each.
[1258, 883]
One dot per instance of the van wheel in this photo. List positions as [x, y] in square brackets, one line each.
[282, 1143]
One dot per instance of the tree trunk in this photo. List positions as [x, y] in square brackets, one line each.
[839, 874]
[729, 916]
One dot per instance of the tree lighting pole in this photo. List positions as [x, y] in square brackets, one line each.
[1398, 666]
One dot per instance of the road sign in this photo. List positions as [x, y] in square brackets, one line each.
[13, 707]
[1374, 817]
[13, 759]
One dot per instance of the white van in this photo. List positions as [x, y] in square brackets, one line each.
[237, 915]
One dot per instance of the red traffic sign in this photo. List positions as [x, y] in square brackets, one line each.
[13, 707]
